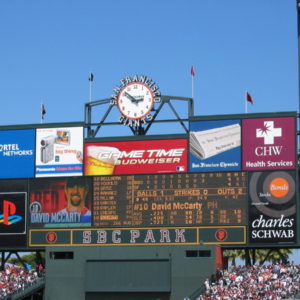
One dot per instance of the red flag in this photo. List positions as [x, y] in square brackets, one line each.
[43, 111]
[192, 71]
[249, 98]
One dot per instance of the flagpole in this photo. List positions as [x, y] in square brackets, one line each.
[41, 112]
[193, 75]
[91, 79]
[193, 87]
[90, 90]
[246, 104]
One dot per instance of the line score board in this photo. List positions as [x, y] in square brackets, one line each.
[186, 199]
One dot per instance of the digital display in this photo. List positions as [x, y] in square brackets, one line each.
[204, 199]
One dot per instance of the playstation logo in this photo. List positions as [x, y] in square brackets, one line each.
[13, 213]
[9, 217]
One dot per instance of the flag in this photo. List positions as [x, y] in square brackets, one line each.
[192, 71]
[43, 111]
[91, 78]
[249, 98]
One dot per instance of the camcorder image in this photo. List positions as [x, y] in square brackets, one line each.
[47, 149]
[62, 137]
[58, 153]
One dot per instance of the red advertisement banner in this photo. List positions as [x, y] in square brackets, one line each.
[136, 157]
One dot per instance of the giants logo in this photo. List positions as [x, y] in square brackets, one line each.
[8, 217]
[221, 235]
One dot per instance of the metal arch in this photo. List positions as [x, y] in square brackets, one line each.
[142, 129]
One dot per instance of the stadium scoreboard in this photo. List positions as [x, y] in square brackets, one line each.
[204, 199]
[229, 180]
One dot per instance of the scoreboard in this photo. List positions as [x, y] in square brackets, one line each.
[170, 200]
[230, 180]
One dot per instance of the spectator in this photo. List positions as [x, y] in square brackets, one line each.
[271, 282]
[15, 278]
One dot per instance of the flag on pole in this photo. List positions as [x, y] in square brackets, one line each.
[43, 111]
[192, 71]
[91, 78]
[249, 98]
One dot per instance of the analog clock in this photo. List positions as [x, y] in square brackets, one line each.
[135, 100]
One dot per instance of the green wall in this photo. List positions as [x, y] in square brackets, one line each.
[126, 272]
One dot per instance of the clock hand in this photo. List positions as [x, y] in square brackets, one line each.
[139, 100]
[132, 99]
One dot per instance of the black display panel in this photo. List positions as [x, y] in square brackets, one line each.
[198, 199]
[272, 211]
[13, 213]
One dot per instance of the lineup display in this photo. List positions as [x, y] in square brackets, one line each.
[204, 199]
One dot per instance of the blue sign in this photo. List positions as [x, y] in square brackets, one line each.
[17, 155]
[215, 146]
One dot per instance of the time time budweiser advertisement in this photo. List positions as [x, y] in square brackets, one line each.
[136, 157]
[269, 143]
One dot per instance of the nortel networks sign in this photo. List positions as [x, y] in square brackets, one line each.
[17, 153]
[269, 143]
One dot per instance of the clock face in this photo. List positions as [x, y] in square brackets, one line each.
[135, 100]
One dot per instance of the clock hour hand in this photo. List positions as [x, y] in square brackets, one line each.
[137, 100]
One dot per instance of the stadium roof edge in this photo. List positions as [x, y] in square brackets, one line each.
[42, 125]
[246, 116]
[136, 138]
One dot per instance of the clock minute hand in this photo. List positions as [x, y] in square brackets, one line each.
[132, 99]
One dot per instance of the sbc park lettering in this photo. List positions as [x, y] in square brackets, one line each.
[133, 236]
[272, 228]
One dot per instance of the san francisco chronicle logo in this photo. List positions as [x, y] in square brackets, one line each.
[268, 132]
[9, 217]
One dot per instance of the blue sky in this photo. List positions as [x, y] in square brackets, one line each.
[48, 49]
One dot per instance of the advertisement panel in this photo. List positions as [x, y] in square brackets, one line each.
[215, 146]
[59, 151]
[17, 153]
[136, 157]
[269, 143]
[13, 213]
[60, 202]
[272, 210]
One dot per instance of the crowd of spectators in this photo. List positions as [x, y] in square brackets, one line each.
[267, 282]
[15, 278]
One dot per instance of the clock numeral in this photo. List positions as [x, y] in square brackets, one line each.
[135, 114]
[135, 86]
[142, 111]
[147, 93]
[147, 106]
[121, 101]
[123, 107]
[128, 89]
[149, 99]
[128, 112]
